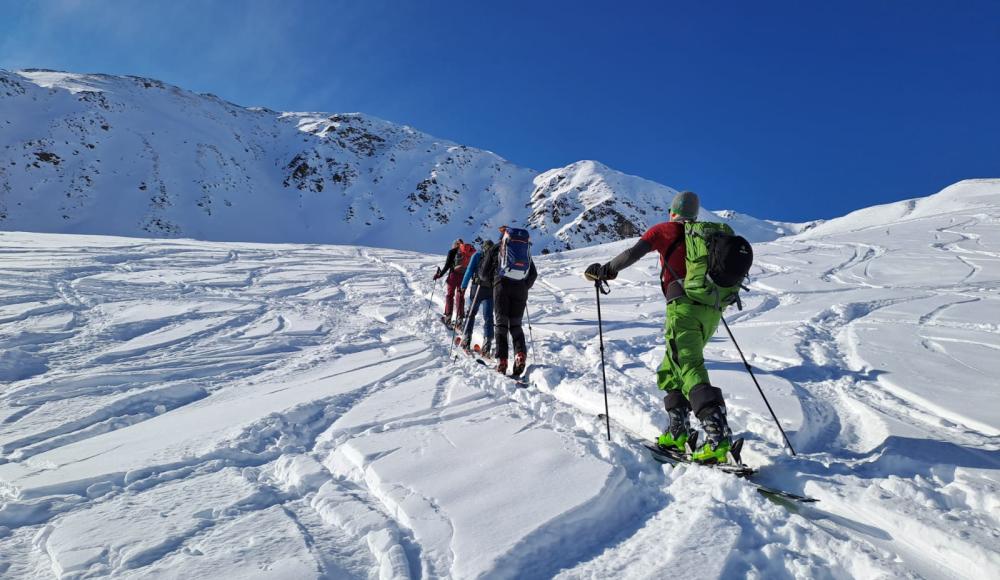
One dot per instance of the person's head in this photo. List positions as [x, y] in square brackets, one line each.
[487, 245]
[685, 207]
[458, 243]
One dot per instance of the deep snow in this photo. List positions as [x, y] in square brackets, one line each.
[194, 409]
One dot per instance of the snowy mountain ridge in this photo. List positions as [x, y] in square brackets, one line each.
[964, 196]
[103, 154]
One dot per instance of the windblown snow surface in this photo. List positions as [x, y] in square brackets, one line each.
[214, 410]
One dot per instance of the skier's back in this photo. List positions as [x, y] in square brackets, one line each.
[688, 328]
[481, 293]
[454, 268]
[512, 273]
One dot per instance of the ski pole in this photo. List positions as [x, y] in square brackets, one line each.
[469, 325]
[430, 305]
[531, 335]
[761, 391]
[462, 321]
[598, 290]
[454, 332]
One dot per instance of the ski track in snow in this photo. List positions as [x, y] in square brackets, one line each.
[189, 409]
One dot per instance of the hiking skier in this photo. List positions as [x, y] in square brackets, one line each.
[480, 293]
[510, 273]
[454, 267]
[692, 316]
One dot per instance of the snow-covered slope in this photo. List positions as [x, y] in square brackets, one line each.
[196, 409]
[965, 196]
[126, 155]
[100, 154]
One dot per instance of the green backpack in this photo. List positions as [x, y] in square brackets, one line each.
[717, 262]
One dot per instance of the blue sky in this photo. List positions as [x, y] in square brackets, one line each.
[786, 110]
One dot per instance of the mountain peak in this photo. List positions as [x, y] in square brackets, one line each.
[128, 155]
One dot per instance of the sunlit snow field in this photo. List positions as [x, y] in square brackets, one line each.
[217, 410]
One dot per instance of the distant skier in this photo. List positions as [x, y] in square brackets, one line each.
[694, 308]
[480, 293]
[511, 273]
[454, 267]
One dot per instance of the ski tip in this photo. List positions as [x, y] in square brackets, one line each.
[779, 495]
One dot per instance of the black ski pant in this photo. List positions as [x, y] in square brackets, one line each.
[509, 300]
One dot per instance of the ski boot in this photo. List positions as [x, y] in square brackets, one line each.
[719, 445]
[466, 345]
[502, 366]
[487, 349]
[519, 362]
[678, 438]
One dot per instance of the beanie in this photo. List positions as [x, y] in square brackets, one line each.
[685, 206]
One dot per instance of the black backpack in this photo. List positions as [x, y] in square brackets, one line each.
[482, 274]
[729, 259]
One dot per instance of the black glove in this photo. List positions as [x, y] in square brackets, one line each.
[437, 273]
[596, 272]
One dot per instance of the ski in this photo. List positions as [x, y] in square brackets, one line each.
[669, 456]
[476, 354]
[744, 472]
[520, 381]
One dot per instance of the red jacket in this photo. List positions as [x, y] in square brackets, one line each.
[668, 237]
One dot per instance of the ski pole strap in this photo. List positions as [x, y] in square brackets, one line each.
[602, 286]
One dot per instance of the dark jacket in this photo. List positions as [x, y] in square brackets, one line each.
[450, 262]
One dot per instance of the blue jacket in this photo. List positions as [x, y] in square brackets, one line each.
[471, 269]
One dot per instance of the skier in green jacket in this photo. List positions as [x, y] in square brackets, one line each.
[688, 328]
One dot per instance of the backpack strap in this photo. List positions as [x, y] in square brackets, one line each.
[666, 264]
